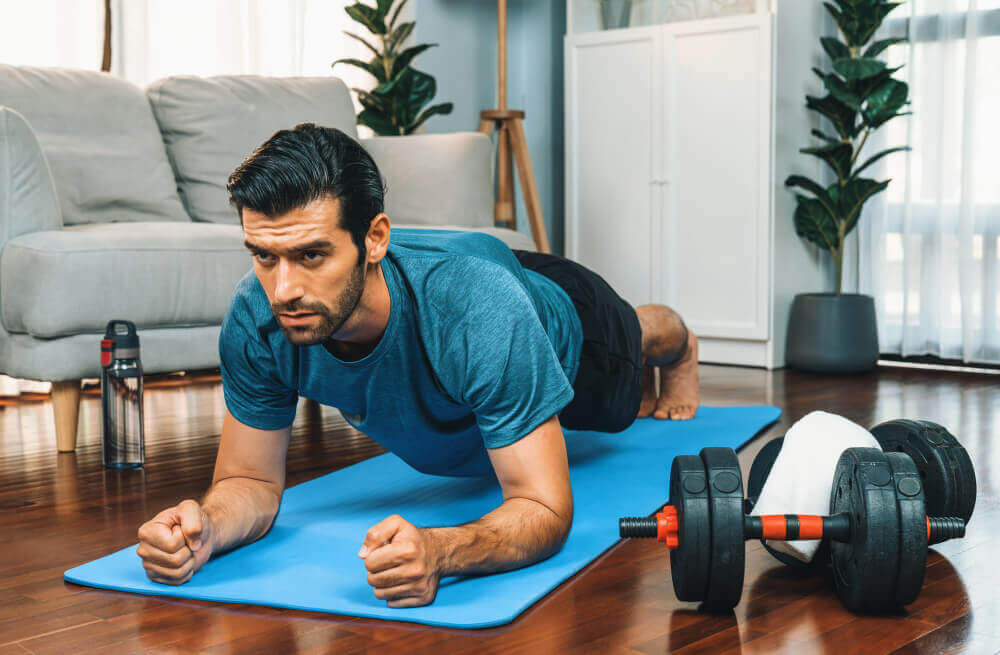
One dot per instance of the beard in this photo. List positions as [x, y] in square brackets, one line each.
[329, 320]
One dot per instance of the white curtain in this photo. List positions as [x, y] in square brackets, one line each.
[929, 245]
[52, 33]
[156, 38]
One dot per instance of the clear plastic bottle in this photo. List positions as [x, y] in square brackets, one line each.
[121, 397]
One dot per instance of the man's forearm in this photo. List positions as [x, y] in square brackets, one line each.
[240, 510]
[518, 533]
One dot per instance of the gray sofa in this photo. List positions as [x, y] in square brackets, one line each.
[113, 205]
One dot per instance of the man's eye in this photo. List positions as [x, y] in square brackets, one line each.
[261, 257]
[311, 256]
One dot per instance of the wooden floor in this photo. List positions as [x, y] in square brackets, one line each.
[58, 511]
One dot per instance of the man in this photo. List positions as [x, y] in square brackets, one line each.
[456, 353]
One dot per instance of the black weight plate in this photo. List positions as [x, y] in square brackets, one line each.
[945, 466]
[760, 469]
[689, 496]
[865, 568]
[725, 496]
[912, 527]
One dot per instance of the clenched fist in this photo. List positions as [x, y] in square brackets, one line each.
[402, 563]
[175, 543]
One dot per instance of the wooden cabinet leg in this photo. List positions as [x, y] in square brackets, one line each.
[519, 144]
[66, 404]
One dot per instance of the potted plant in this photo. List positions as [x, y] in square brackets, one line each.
[837, 332]
[396, 105]
[615, 13]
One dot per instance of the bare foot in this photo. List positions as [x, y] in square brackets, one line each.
[648, 392]
[679, 386]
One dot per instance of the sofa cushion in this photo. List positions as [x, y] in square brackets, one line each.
[210, 125]
[64, 282]
[101, 142]
[155, 274]
[436, 179]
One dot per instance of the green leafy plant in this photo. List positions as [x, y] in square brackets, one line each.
[861, 96]
[396, 105]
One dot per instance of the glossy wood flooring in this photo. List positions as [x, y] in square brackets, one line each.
[58, 511]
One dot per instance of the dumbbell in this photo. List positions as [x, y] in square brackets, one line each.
[945, 468]
[877, 527]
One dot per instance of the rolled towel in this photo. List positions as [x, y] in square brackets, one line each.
[800, 481]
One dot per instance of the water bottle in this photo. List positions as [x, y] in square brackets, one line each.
[121, 396]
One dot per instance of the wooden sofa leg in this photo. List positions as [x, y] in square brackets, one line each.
[66, 403]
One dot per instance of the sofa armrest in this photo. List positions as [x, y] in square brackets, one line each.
[436, 179]
[28, 199]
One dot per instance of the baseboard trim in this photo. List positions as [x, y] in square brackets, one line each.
[738, 352]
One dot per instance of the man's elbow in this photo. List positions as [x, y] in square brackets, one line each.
[567, 524]
[562, 521]
[273, 506]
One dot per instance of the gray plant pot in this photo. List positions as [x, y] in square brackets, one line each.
[832, 334]
[615, 13]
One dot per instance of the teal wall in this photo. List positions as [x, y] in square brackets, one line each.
[465, 66]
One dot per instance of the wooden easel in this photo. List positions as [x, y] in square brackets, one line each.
[511, 140]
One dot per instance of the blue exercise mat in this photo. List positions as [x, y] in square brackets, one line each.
[309, 559]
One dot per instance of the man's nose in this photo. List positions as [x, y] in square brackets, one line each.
[287, 286]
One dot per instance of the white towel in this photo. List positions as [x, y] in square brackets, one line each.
[800, 481]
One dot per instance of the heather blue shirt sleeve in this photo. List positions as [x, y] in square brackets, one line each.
[496, 356]
[254, 393]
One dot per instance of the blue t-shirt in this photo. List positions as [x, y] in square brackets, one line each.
[477, 353]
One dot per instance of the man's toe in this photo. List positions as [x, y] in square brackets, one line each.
[682, 413]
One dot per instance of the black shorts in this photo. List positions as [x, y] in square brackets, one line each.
[608, 384]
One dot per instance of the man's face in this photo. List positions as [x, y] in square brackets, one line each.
[309, 267]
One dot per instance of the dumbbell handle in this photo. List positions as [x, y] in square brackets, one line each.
[664, 526]
[837, 527]
[797, 526]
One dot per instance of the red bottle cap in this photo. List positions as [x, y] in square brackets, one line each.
[106, 347]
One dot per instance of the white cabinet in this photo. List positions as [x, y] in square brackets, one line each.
[717, 175]
[669, 173]
[610, 141]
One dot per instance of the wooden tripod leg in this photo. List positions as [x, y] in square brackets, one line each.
[527, 176]
[504, 207]
[66, 406]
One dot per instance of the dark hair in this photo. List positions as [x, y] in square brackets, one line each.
[297, 166]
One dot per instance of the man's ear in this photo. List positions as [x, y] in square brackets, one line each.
[377, 239]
